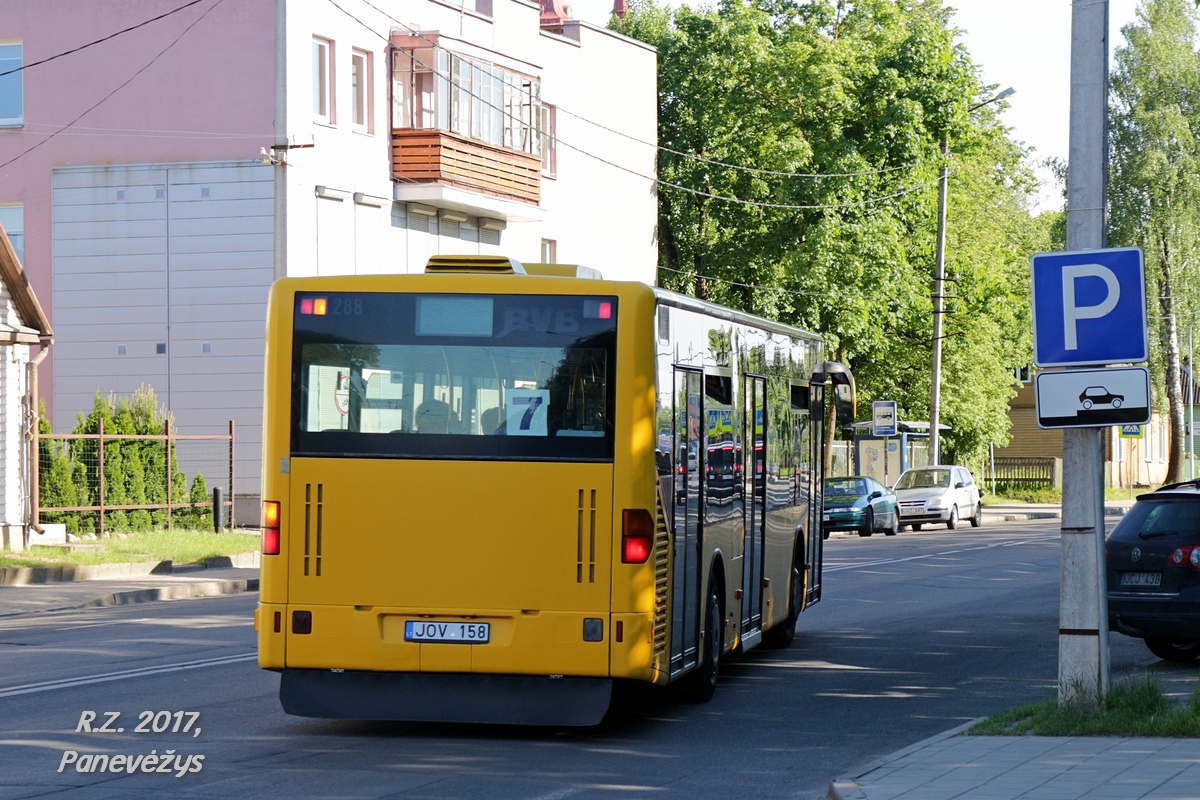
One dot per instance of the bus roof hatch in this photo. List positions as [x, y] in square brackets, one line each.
[564, 271]
[478, 265]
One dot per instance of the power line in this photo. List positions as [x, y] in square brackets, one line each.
[655, 145]
[754, 170]
[603, 160]
[99, 41]
[114, 91]
[848, 204]
[150, 133]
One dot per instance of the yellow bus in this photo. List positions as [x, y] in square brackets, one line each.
[492, 490]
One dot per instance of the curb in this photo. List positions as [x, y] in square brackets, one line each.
[26, 576]
[182, 592]
[188, 591]
[847, 787]
[1024, 517]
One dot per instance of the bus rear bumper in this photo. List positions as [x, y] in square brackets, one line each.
[445, 697]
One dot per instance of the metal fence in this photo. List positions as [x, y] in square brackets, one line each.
[1009, 473]
[843, 459]
[102, 482]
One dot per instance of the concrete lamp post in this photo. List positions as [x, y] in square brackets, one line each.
[939, 278]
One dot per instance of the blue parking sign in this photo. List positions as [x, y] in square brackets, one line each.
[1089, 307]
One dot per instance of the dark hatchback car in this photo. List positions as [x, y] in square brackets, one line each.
[1153, 557]
[859, 503]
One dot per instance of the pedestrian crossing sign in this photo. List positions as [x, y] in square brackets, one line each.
[1131, 431]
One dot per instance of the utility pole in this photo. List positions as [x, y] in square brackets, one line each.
[939, 300]
[1083, 658]
[939, 279]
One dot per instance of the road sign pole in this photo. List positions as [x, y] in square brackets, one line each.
[1083, 659]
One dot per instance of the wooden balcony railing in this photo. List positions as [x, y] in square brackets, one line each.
[431, 156]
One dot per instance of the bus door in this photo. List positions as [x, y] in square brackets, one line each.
[754, 474]
[817, 416]
[686, 529]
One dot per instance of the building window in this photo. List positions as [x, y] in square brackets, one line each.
[547, 131]
[362, 85]
[436, 89]
[323, 81]
[12, 219]
[549, 251]
[12, 101]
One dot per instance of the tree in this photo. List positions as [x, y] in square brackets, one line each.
[1154, 188]
[800, 148]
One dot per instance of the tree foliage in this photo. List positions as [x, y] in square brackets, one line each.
[800, 150]
[1154, 188]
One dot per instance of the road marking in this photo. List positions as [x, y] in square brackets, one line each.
[941, 554]
[560, 793]
[101, 624]
[67, 683]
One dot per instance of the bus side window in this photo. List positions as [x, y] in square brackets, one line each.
[491, 421]
[434, 416]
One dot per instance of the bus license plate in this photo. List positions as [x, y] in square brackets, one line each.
[452, 632]
[1141, 579]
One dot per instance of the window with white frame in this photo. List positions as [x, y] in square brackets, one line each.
[437, 89]
[12, 219]
[362, 85]
[12, 100]
[549, 251]
[547, 130]
[323, 80]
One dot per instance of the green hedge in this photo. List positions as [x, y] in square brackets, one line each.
[134, 471]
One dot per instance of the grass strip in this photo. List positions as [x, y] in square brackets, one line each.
[1134, 707]
[178, 546]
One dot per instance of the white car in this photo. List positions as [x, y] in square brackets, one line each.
[941, 494]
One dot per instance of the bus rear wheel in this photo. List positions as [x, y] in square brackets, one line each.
[781, 635]
[702, 683]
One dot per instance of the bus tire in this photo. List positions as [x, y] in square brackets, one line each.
[702, 683]
[784, 633]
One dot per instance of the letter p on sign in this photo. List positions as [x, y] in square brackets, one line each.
[1072, 312]
[1089, 308]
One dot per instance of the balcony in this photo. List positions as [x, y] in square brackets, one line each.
[425, 156]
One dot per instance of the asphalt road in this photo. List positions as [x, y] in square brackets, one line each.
[915, 634]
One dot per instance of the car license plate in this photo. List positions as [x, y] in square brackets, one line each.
[452, 632]
[826, 517]
[1141, 578]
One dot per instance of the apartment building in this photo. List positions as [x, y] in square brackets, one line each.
[163, 161]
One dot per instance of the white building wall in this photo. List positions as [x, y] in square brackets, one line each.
[602, 208]
[13, 359]
[161, 274]
[599, 214]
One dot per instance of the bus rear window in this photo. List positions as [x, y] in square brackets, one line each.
[454, 376]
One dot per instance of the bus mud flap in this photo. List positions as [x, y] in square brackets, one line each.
[428, 697]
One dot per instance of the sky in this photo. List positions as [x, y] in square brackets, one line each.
[1025, 44]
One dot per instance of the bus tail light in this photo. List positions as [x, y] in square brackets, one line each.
[637, 535]
[270, 528]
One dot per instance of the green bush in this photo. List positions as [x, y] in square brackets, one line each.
[134, 471]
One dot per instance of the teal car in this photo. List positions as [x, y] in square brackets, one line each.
[859, 503]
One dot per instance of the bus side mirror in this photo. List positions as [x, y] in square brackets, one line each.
[840, 381]
[843, 401]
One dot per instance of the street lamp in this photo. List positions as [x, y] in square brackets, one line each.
[939, 278]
